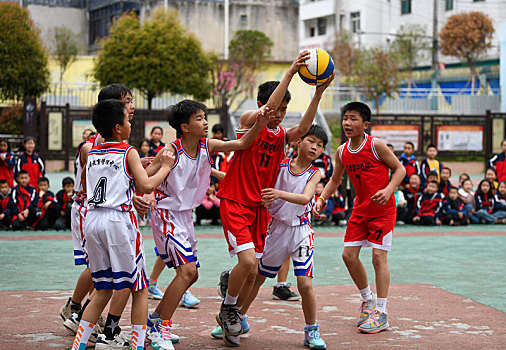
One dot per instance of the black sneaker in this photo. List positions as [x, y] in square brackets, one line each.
[223, 285]
[284, 293]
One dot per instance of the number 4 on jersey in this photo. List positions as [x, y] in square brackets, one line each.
[99, 192]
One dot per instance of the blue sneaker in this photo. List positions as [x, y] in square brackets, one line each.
[188, 300]
[154, 292]
[366, 309]
[217, 333]
[161, 327]
[312, 337]
[377, 322]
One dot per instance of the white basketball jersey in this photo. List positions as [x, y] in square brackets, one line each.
[290, 213]
[186, 185]
[108, 183]
[81, 200]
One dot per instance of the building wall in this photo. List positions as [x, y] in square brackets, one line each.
[277, 19]
[47, 18]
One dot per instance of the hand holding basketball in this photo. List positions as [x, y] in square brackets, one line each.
[300, 61]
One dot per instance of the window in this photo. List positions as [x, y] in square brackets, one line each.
[341, 22]
[478, 0]
[244, 19]
[405, 7]
[355, 22]
[311, 31]
[322, 26]
[449, 5]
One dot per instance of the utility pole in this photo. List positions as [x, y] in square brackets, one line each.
[435, 60]
[225, 48]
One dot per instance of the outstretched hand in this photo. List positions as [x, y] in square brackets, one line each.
[299, 61]
[265, 115]
[321, 88]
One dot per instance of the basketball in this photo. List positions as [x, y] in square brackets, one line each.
[319, 67]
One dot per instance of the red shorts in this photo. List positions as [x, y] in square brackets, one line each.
[367, 231]
[245, 227]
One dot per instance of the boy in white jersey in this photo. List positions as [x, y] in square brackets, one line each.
[290, 233]
[182, 191]
[113, 242]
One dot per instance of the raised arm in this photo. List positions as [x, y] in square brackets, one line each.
[144, 183]
[269, 195]
[300, 130]
[331, 187]
[154, 166]
[248, 118]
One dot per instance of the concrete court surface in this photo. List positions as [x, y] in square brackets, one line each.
[446, 293]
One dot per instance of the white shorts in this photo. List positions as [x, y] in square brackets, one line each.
[77, 216]
[282, 241]
[174, 236]
[115, 249]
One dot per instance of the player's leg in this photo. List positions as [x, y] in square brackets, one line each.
[380, 238]
[118, 302]
[154, 292]
[282, 290]
[139, 317]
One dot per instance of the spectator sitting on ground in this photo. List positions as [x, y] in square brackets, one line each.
[429, 206]
[5, 205]
[500, 203]
[64, 199]
[491, 175]
[402, 206]
[454, 213]
[325, 216]
[498, 162]
[484, 203]
[210, 207]
[339, 212]
[445, 184]
[412, 193]
[466, 194]
[462, 177]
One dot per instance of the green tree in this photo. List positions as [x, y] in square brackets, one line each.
[154, 58]
[248, 51]
[66, 47]
[23, 60]
[410, 46]
[467, 36]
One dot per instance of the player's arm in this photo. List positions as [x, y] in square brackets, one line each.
[263, 116]
[142, 181]
[382, 196]
[156, 163]
[300, 130]
[269, 195]
[248, 118]
[331, 187]
[85, 150]
[220, 175]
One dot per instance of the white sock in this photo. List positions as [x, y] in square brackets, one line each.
[381, 304]
[83, 334]
[230, 300]
[366, 293]
[280, 284]
[138, 336]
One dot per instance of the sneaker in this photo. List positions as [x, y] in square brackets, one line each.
[366, 309]
[376, 322]
[65, 311]
[71, 324]
[154, 292]
[229, 320]
[312, 338]
[342, 222]
[116, 343]
[223, 285]
[161, 336]
[231, 340]
[284, 293]
[217, 333]
[154, 331]
[188, 300]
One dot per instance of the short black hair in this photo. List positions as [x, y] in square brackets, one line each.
[3, 181]
[431, 173]
[43, 179]
[142, 141]
[67, 181]
[156, 127]
[433, 182]
[450, 170]
[218, 128]
[410, 143]
[29, 138]
[453, 188]
[390, 145]
[22, 171]
[113, 92]
[415, 174]
[181, 112]
[431, 146]
[319, 132]
[106, 115]
[266, 89]
[361, 108]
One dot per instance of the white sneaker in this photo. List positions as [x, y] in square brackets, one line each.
[161, 337]
[71, 324]
[116, 343]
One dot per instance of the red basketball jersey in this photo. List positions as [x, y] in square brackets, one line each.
[368, 174]
[255, 168]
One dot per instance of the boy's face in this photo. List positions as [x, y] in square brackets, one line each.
[353, 124]
[431, 153]
[4, 189]
[197, 125]
[414, 181]
[124, 130]
[279, 115]
[408, 150]
[431, 188]
[86, 134]
[445, 174]
[30, 146]
[156, 135]
[3, 147]
[453, 194]
[23, 179]
[319, 188]
[432, 178]
[68, 188]
[129, 104]
[43, 186]
[310, 146]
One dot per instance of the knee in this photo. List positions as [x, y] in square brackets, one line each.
[349, 257]
[379, 258]
[304, 287]
[188, 274]
[250, 265]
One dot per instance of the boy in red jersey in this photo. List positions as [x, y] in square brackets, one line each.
[367, 161]
[243, 217]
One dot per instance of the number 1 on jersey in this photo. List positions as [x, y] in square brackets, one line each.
[358, 178]
[264, 159]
